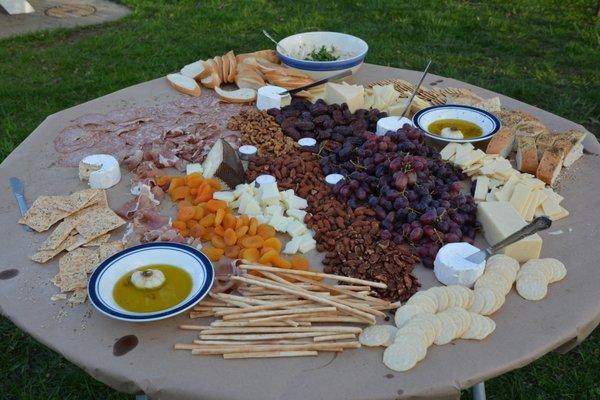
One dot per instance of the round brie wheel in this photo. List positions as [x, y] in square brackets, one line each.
[247, 151]
[264, 179]
[387, 124]
[332, 179]
[451, 267]
[100, 170]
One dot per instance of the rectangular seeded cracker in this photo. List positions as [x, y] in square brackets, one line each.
[98, 241]
[74, 268]
[58, 235]
[43, 213]
[108, 249]
[98, 222]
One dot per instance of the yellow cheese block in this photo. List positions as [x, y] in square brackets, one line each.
[499, 219]
[353, 95]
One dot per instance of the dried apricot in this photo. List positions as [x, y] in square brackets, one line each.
[264, 249]
[212, 253]
[199, 213]
[242, 220]
[253, 226]
[207, 220]
[191, 223]
[219, 216]
[186, 213]
[281, 262]
[197, 231]
[232, 251]
[162, 180]
[214, 184]
[252, 241]
[180, 193]
[219, 230]
[179, 224]
[208, 233]
[194, 180]
[300, 262]
[228, 221]
[176, 182]
[214, 205]
[268, 256]
[241, 231]
[205, 193]
[230, 237]
[218, 242]
[273, 243]
[183, 203]
[266, 231]
[251, 254]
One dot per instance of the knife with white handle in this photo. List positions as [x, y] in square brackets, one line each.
[17, 188]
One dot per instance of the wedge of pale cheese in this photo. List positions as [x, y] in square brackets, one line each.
[352, 95]
[499, 220]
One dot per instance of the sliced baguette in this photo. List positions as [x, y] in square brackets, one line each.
[527, 157]
[212, 81]
[550, 165]
[244, 95]
[195, 70]
[230, 55]
[184, 84]
[269, 55]
[219, 66]
[544, 141]
[225, 68]
[502, 142]
[570, 142]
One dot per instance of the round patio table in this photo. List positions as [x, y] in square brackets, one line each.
[525, 330]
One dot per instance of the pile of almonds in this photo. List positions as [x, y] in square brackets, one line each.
[260, 129]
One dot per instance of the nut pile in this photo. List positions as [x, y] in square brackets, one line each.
[260, 129]
[358, 254]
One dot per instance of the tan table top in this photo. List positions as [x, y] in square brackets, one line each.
[525, 330]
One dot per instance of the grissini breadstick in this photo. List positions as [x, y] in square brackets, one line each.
[261, 336]
[270, 354]
[341, 336]
[258, 329]
[379, 285]
[270, 313]
[277, 347]
[246, 323]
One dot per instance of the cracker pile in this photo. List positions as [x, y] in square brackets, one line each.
[440, 315]
[285, 313]
[85, 222]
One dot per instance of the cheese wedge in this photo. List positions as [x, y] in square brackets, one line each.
[352, 95]
[499, 220]
[481, 188]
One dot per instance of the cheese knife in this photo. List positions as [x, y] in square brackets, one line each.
[335, 77]
[17, 188]
[412, 96]
[538, 224]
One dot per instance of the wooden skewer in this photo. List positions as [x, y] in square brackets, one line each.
[337, 346]
[334, 337]
[255, 267]
[307, 295]
[266, 329]
[270, 354]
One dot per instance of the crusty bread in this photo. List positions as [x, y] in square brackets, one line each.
[249, 76]
[212, 81]
[490, 105]
[502, 142]
[550, 165]
[527, 158]
[269, 55]
[195, 70]
[244, 95]
[267, 66]
[570, 142]
[184, 84]
[211, 66]
[544, 141]
[225, 68]
[232, 66]
[219, 66]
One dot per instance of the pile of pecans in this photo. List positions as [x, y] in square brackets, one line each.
[260, 129]
[360, 255]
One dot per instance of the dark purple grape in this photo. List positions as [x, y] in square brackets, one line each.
[415, 235]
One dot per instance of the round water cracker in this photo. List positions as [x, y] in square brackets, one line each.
[491, 297]
[425, 325]
[427, 301]
[502, 261]
[462, 318]
[479, 328]
[489, 326]
[535, 266]
[508, 273]
[448, 331]
[374, 335]
[399, 358]
[494, 279]
[406, 313]
[464, 295]
[532, 286]
[551, 267]
[419, 331]
[441, 297]
[559, 271]
[500, 299]
[411, 341]
[478, 302]
[393, 331]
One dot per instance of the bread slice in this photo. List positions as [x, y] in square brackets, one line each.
[219, 66]
[550, 165]
[212, 81]
[184, 84]
[502, 142]
[545, 141]
[244, 95]
[527, 157]
[195, 70]
[225, 68]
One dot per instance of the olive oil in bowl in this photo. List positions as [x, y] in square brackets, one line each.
[177, 286]
[468, 129]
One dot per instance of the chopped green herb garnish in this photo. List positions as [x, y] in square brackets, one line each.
[322, 55]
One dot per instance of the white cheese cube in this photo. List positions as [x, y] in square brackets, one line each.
[499, 220]
[226, 196]
[269, 194]
[297, 214]
[293, 245]
[279, 222]
[243, 188]
[253, 209]
[248, 204]
[481, 188]
[191, 168]
[307, 244]
[262, 219]
[273, 210]
[292, 201]
[296, 228]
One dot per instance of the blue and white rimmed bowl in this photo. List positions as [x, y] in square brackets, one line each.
[293, 49]
[488, 123]
[106, 276]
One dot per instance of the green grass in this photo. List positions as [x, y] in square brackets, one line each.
[544, 53]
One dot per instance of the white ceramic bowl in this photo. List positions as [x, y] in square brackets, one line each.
[104, 278]
[301, 44]
[488, 123]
